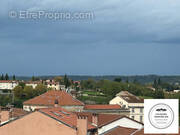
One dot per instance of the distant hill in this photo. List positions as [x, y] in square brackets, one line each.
[139, 78]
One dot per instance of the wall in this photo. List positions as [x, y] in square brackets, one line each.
[137, 111]
[32, 107]
[36, 123]
[136, 114]
[68, 108]
[118, 100]
[8, 85]
[124, 122]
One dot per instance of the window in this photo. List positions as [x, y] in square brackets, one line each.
[133, 110]
[133, 117]
[141, 118]
[141, 110]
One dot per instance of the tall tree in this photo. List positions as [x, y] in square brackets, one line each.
[33, 78]
[14, 77]
[6, 77]
[127, 81]
[155, 84]
[2, 77]
[66, 81]
[159, 81]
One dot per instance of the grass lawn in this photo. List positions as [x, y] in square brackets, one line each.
[92, 93]
[98, 100]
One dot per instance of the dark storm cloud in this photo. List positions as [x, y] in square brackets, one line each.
[116, 25]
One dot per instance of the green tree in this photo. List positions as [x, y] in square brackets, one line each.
[159, 81]
[22, 84]
[159, 94]
[118, 79]
[33, 78]
[19, 92]
[66, 81]
[40, 89]
[14, 77]
[29, 92]
[6, 77]
[5, 99]
[127, 81]
[155, 84]
[2, 77]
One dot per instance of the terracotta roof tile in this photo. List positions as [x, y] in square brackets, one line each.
[120, 130]
[101, 107]
[7, 81]
[48, 98]
[64, 116]
[104, 119]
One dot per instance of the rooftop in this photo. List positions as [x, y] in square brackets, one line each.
[8, 81]
[60, 114]
[102, 107]
[119, 129]
[103, 119]
[48, 98]
[130, 98]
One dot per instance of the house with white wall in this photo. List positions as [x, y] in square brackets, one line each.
[8, 84]
[33, 83]
[131, 102]
[46, 100]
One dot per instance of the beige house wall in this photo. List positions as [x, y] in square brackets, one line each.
[134, 108]
[68, 108]
[36, 123]
[32, 107]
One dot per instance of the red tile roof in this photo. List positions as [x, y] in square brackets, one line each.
[141, 132]
[48, 98]
[102, 107]
[120, 130]
[68, 118]
[103, 119]
[7, 81]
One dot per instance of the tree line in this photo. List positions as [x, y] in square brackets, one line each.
[6, 77]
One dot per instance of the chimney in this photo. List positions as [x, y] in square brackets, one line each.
[5, 114]
[95, 119]
[82, 126]
[56, 102]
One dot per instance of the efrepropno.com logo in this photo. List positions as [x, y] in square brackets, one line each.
[161, 116]
[55, 15]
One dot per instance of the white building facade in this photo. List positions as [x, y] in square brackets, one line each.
[9, 85]
[131, 102]
[123, 122]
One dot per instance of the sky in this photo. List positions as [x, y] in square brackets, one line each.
[124, 37]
